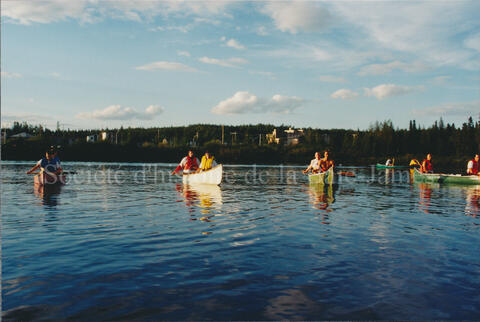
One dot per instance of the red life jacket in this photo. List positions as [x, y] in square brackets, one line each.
[428, 165]
[191, 163]
[475, 167]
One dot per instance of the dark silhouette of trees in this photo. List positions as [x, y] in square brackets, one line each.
[449, 144]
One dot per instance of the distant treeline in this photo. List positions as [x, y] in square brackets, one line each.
[450, 145]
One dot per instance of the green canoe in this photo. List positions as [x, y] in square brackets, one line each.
[383, 166]
[322, 177]
[445, 178]
[425, 177]
[459, 179]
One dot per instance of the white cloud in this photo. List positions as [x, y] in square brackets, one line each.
[235, 44]
[440, 80]
[458, 109]
[244, 102]
[208, 21]
[28, 12]
[262, 31]
[432, 31]
[331, 79]
[154, 110]
[381, 69]
[338, 58]
[183, 29]
[344, 94]
[183, 53]
[268, 74]
[11, 75]
[48, 11]
[165, 65]
[231, 62]
[55, 75]
[389, 90]
[117, 112]
[26, 117]
[295, 16]
[473, 42]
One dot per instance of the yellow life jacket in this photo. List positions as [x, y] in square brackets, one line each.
[206, 164]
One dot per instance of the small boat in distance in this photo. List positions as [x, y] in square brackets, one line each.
[212, 176]
[446, 178]
[383, 166]
[322, 177]
[43, 179]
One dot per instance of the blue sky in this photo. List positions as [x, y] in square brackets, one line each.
[97, 64]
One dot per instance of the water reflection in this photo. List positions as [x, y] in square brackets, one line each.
[472, 207]
[48, 194]
[204, 198]
[425, 197]
[389, 175]
[321, 197]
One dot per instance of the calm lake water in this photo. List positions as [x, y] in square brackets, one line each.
[128, 242]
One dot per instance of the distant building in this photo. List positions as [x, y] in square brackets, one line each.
[272, 138]
[22, 135]
[293, 136]
[92, 138]
[104, 136]
[289, 137]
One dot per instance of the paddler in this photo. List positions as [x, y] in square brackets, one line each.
[427, 166]
[208, 162]
[389, 163]
[472, 165]
[314, 164]
[49, 164]
[326, 163]
[188, 164]
[415, 163]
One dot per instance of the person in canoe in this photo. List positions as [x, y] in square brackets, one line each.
[208, 162]
[189, 164]
[55, 154]
[325, 162]
[314, 165]
[426, 166]
[415, 163]
[472, 165]
[389, 163]
[49, 164]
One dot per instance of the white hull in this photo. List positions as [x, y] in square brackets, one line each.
[212, 176]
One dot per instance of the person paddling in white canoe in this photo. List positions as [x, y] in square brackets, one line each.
[189, 164]
[208, 162]
[314, 165]
[49, 164]
[325, 162]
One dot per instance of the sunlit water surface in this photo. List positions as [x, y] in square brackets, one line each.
[128, 242]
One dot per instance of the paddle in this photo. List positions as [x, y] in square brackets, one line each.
[63, 172]
[69, 172]
[339, 173]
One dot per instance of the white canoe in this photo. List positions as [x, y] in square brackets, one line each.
[212, 176]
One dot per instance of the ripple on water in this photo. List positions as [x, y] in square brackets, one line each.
[371, 247]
